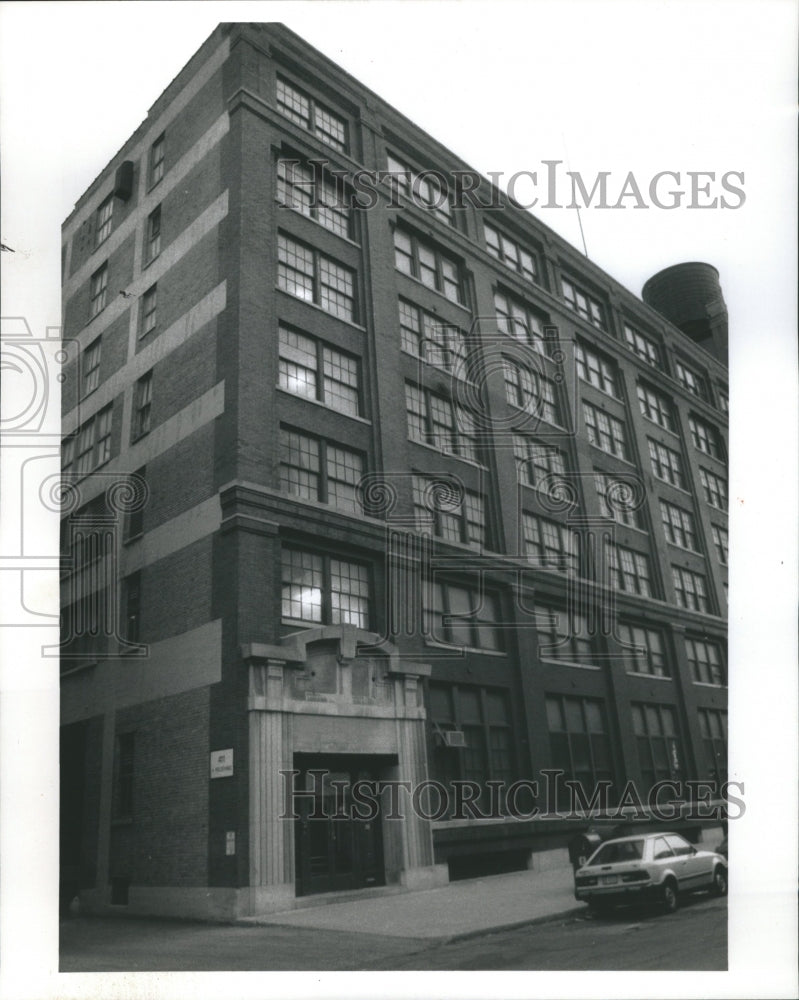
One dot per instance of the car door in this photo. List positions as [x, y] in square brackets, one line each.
[663, 857]
[694, 869]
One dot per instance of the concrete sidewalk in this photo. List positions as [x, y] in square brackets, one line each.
[457, 910]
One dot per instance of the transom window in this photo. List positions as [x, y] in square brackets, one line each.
[563, 635]
[666, 464]
[425, 187]
[105, 220]
[307, 112]
[464, 616]
[322, 589]
[597, 370]
[510, 253]
[605, 431]
[450, 512]
[705, 437]
[705, 661]
[98, 288]
[310, 275]
[629, 570]
[90, 446]
[584, 304]
[299, 186]
[679, 526]
[656, 407]
[315, 469]
[721, 543]
[535, 462]
[517, 320]
[310, 368]
[645, 647]
[425, 262]
[714, 488]
[549, 544]
[531, 391]
[690, 589]
[91, 367]
[645, 347]
[425, 336]
[613, 494]
[690, 379]
[438, 421]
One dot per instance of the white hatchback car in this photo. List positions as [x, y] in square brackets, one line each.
[651, 867]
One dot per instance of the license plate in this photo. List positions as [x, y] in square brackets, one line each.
[609, 879]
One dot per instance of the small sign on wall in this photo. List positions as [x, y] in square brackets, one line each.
[230, 842]
[221, 763]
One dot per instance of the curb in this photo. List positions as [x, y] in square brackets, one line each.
[513, 925]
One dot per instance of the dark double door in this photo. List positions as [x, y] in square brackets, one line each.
[338, 847]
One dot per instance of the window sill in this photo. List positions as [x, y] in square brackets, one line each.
[450, 454]
[318, 308]
[710, 684]
[612, 454]
[316, 222]
[152, 260]
[660, 427]
[649, 677]
[323, 406]
[435, 291]
[609, 395]
[456, 650]
[569, 663]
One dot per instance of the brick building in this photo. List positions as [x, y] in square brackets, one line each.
[367, 477]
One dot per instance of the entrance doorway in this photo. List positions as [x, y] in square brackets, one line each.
[336, 848]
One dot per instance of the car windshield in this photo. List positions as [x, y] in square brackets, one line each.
[620, 850]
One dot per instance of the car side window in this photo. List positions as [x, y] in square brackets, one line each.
[680, 846]
[662, 849]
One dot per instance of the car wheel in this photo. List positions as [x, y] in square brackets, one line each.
[669, 897]
[719, 887]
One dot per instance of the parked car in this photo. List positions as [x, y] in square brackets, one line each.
[654, 867]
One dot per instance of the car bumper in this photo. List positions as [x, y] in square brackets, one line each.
[617, 893]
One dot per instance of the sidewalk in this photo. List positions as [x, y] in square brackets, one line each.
[457, 910]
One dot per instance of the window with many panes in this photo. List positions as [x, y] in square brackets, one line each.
[90, 446]
[91, 367]
[152, 242]
[629, 570]
[426, 336]
[420, 259]
[438, 421]
[156, 165]
[308, 367]
[443, 507]
[309, 113]
[605, 432]
[314, 277]
[705, 660]
[714, 488]
[463, 616]
[656, 407]
[617, 500]
[713, 730]
[584, 304]
[690, 589]
[149, 310]
[599, 371]
[721, 543]
[299, 186]
[98, 290]
[705, 437]
[643, 650]
[537, 462]
[666, 464]
[315, 469]
[549, 544]
[531, 391]
[659, 747]
[691, 379]
[518, 320]
[645, 347]
[104, 221]
[322, 589]
[679, 526]
[427, 188]
[579, 742]
[142, 406]
[564, 635]
[510, 253]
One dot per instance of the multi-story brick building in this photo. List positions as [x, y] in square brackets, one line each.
[375, 477]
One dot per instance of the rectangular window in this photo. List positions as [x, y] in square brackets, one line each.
[104, 221]
[646, 348]
[705, 661]
[721, 543]
[584, 305]
[616, 500]
[690, 379]
[679, 526]
[426, 336]
[511, 254]
[438, 421]
[464, 616]
[131, 607]
[153, 236]
[656, 407]
[724, 402]
[579, 743]
[713, 729]
[645, 647]
[310, 275]
[690, 589]
[91, 367]
[666, 464]
[450, 512]
[300, 187]
[714, 489]
[425, 262]
[98, 288]
[659, 748]
[123, 777]
[549, 544]
[320, 588]
[564, 635]
[309, 368]
[134, 519]
[149, 310]
[156, 165]
[316, 469]
[427, 188]
[597, 370]
[142, 406]
[519, 321]
[532, 392]
[536, 462]
[605, 432]
[90, 446]
[629, 570]
[307, 112]
[705, 437]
